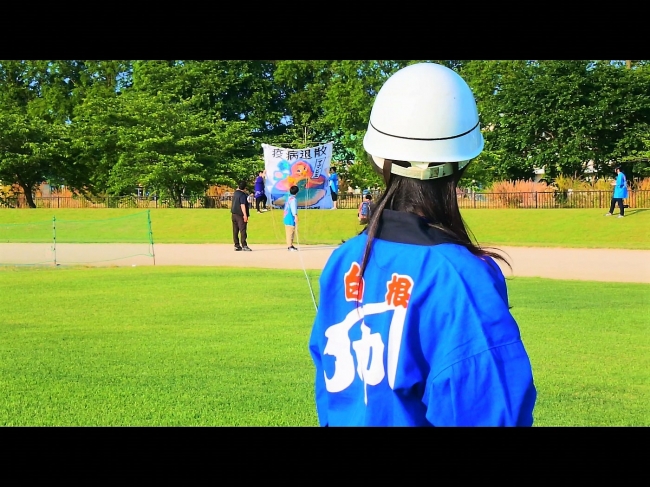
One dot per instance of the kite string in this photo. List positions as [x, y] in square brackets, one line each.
[302, 262]
[311, 290]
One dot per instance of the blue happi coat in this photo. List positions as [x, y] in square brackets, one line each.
[620, 190]
[426, 339]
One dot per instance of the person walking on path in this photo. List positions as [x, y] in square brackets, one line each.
[620, 192]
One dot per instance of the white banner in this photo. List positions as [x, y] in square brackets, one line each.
[306, 168]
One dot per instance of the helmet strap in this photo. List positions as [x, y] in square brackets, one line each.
[388, 164]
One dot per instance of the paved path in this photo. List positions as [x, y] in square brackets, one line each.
[613, 265]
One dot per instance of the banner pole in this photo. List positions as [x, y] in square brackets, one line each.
[153, 253]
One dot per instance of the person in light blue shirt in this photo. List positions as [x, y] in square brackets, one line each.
[290, 217]
[414, 325]
[620, 193]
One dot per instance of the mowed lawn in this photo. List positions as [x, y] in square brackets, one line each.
[582, 228]
[221, 346]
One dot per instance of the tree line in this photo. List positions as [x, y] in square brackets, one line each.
[176, 127]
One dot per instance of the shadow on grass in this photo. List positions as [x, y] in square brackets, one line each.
[634, 211]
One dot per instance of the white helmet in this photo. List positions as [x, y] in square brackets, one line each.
[424, 113]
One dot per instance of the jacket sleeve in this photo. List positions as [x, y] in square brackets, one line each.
[492, 388]
[480, 373]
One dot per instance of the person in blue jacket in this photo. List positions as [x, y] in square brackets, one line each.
[334, 186]
[414, 326]
[620, 192]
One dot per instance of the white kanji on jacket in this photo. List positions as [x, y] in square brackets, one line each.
[369, 349]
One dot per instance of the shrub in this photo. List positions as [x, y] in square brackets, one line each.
[642, 185]
[513, 194]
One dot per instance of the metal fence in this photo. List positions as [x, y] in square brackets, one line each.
[557, 199]
[551, 199]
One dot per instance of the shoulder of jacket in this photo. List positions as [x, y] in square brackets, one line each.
[460, 261]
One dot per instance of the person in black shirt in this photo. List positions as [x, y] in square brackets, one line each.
[240, 212]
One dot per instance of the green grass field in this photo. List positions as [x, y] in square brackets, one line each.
[582, 228]
[220, 346]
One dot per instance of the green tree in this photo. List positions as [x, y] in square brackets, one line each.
[557, 115]
[231, 91]
[95, 141]
[34, 140]
[31, 150]
[621, 116]
[174, 151]
[42, 97]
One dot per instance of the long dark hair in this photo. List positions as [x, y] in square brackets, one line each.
[434, 199]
